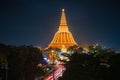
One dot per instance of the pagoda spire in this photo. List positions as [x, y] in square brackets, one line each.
[63, 23]
[63, 38]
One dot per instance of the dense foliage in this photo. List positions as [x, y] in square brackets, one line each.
[98, 64]
[20, 63]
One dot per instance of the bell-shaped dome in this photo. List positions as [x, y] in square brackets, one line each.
[63, 36]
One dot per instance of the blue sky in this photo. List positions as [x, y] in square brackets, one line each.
[34, 22]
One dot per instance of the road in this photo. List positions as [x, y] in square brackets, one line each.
[57, 73]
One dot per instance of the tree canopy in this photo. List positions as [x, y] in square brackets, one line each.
[100, 65]
[22, 61]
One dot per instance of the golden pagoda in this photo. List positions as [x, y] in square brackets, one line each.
[63, 36]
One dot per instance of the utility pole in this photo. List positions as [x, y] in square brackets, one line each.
[6, 72]
[53, 63]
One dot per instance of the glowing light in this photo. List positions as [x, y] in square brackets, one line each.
[63, 10]
[57, 73]
[48, 60]
[63, 36]
[45, 58]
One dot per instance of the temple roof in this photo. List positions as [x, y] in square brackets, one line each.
[63, 36]
[63, 23]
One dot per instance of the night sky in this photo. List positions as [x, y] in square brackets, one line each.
[34, 22]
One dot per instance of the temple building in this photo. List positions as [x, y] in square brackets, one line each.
[63, 38]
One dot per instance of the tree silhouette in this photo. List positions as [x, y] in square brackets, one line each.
[22, 61]
[82, 67]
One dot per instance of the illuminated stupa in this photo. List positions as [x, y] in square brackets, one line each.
[63, 36]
